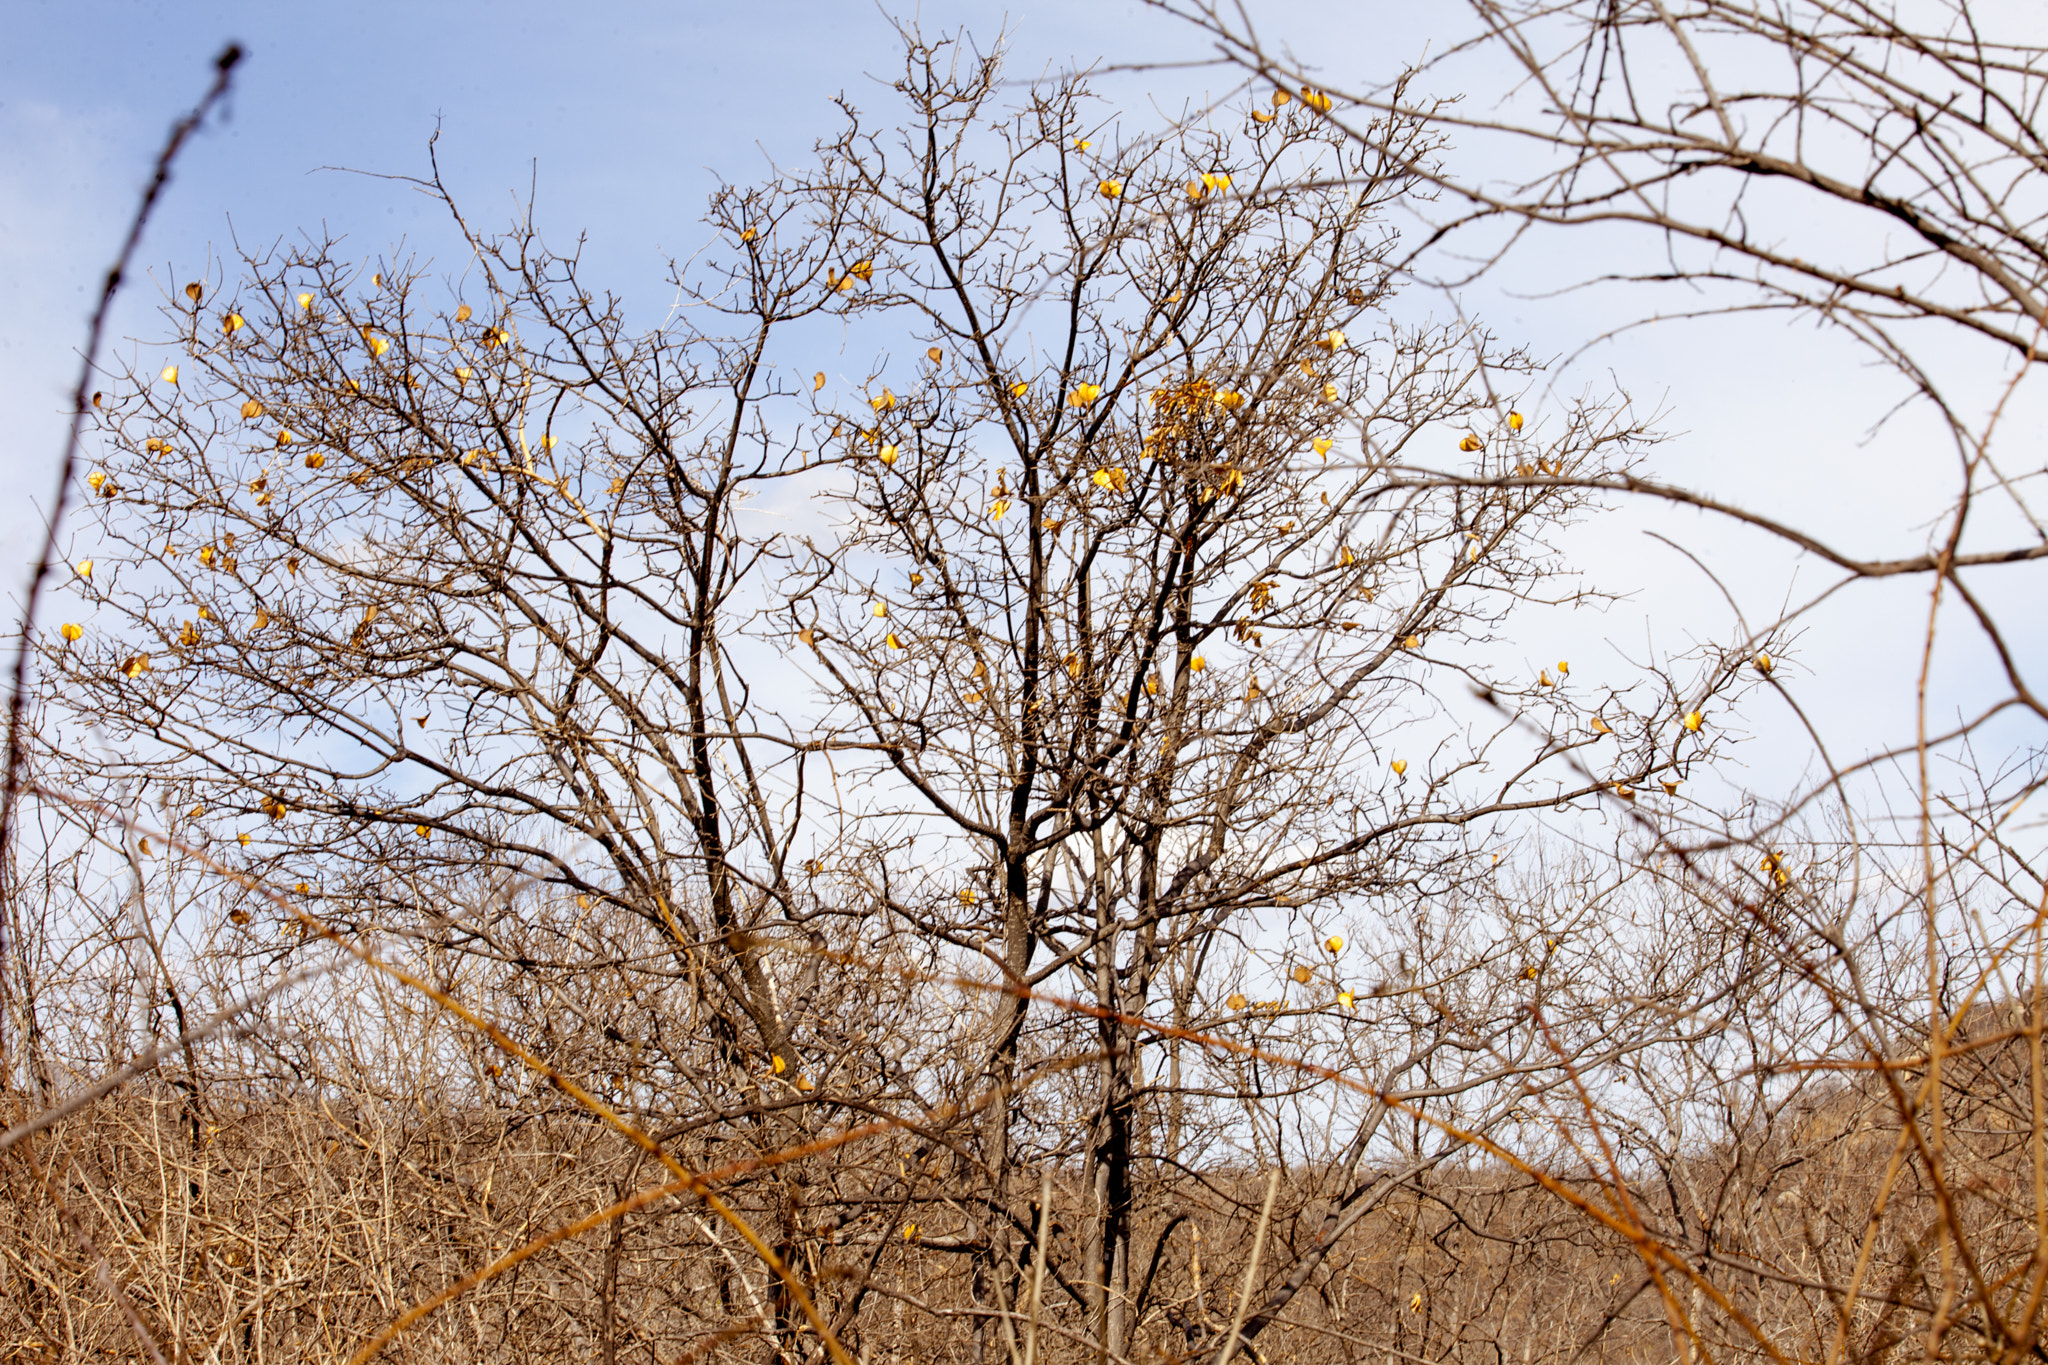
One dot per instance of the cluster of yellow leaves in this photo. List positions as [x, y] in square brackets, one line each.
[1207, 184]
[1774, 868]
[1111, 189]
[864, 271]
[1111, 477]
[1084, 394]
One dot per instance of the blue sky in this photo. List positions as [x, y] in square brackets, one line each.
[622, 118]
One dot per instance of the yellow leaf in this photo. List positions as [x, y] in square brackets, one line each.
[1564, 667]
[462, 313]
[1230, 400]
[195, 812]
[1412, 642]
[881, 610]
[862, 271]
[1111, 189]
[96, 479]
[777, 1065]
[817, 381]
[1236, 1002]
[378, 345]
[193, 291]
[806, 635]
[1693, 721]
[189, 635]
[231, 323]
[1301, 975]
[1345, 558]
[1334, 943]
[971, 697]
[1331, 340]
[1543, 678]
[1600, 727]
[1019, 389]
[1251, 691]
[1400, 766]
[1082, 144]
[934, 354]
[1315, 99]
[262, 618]
[747, 236]
[1073, 663]
[916, 579]
[967, 896]
[1321, 445]
[1329, 393]
[284, 436]
[1514, 421]
[463, 372]
[1151, 682]
[420, 830]
[1114, 479]
[1764, 664]
[85, 568]
[1261, 116]
[242, 839]
[314, 459]
[252, 408]
[888, 455]
[302, 889]
[70, 632]
[998, 508]
[1197, 664]
[1084, 394]
[884, 403]
[170, 374]
[1215, 183]
[1344, 999]
[892, 641]
[1471, 443]
[909, 1231]
[377, 281]
[1670, 788]
[306, 302]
